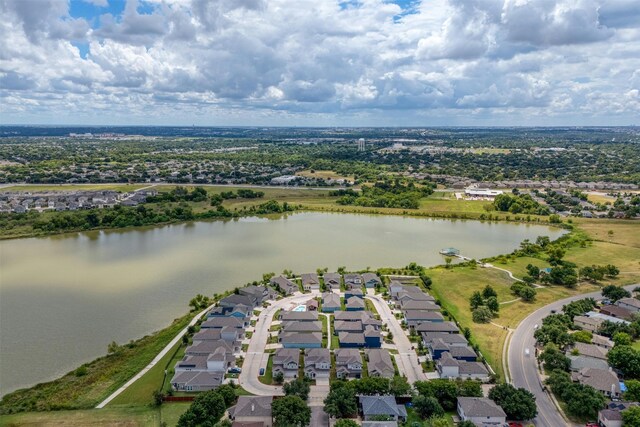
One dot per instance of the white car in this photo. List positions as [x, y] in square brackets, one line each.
[535, 326]
[526, 352]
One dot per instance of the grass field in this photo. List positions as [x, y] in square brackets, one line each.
[124, 188]
[453, 287]
[323, 175]
[124, 417]
[103, 376]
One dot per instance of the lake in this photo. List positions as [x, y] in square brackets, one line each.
[63, 299]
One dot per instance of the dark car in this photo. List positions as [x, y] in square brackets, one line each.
[261, 372]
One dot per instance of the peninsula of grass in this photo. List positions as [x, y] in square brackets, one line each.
[94, 381]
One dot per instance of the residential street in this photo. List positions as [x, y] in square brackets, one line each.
[407, 359]
[523, 369]
[256, 357]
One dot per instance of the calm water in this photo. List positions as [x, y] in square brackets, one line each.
[63, 299]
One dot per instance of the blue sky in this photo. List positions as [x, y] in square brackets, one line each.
[320, 62]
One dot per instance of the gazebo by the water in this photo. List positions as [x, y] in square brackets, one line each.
[450, 252]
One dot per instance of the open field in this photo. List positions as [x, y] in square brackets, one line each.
[325, 174]
[124, 188]
[123, 417]
[141, 391]
[625, 232]
[453, 287]
[101, 378]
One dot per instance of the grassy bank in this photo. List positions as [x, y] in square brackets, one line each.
[93, 382]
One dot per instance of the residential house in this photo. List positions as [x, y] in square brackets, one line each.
[599, 315]
[588, 323]
[374, 407]
[301, 340]
[631, 304]
[348, 363]
[416, 317]
[330, 302]
[205, 348]
[236, 299]
[579, 363]
[196, 380]
[299, 316]
[449, 339]
[365, 317]
[259, 293]
[410, 304]
[379, 363]
[611, 416]
[344, 326]
[371, 280]
[481, 411]
[355, 292]
[252, 409]
[590, 350]
[284, 285]
[404, 297]
[379, 424]
[301, 327]
[310, 282]
[459, 352]
[604, 380]
[447, 327]
[317, 363]
[617, 311]
[332, 280]
[287, 361]
[601, 341]
[312, 304]
[354, 304]
[221, 322]
[352, 280]
[351, 339]
[448, 367]
[239, 311]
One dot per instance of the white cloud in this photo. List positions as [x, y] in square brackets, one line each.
[293, 60]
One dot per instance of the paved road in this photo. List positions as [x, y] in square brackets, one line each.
[523, 369]
[155, 360]
[255, 356]
[406, 359]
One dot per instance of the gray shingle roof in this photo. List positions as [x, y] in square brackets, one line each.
[252, 406]
[381, 405]
[480, 407]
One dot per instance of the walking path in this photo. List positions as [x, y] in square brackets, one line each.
[155, 360]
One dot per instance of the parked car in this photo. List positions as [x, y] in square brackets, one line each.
[261, 372]
[234, 370]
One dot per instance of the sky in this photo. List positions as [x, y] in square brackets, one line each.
[320, 62]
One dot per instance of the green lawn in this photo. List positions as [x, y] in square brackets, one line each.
[455, 286]
[142, 416]
[267, 378]
[170, 412]
[104, 375]
[141, 391]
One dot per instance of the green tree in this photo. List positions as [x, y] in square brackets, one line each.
[469, 388]
[631, 416]
[633, 391]
[427, 406]
[341, 402]
[528, 294]
[466, 423]
[346, 423]
[290, 411]
[517, 403]
[615, 293]
[626, 359]
[299, 387]
[399, 386]
[206, 410]
[583, 336]
[554, 359]
[476, 300]
[444, 390]
[622, 338]
[482, 314]
[493, 304]
[278, 378]
[489, 292]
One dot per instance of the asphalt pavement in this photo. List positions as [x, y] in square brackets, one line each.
[523, 369]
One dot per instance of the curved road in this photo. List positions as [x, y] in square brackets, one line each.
[524, 370]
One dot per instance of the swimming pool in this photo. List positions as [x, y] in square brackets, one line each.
[300, 308]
